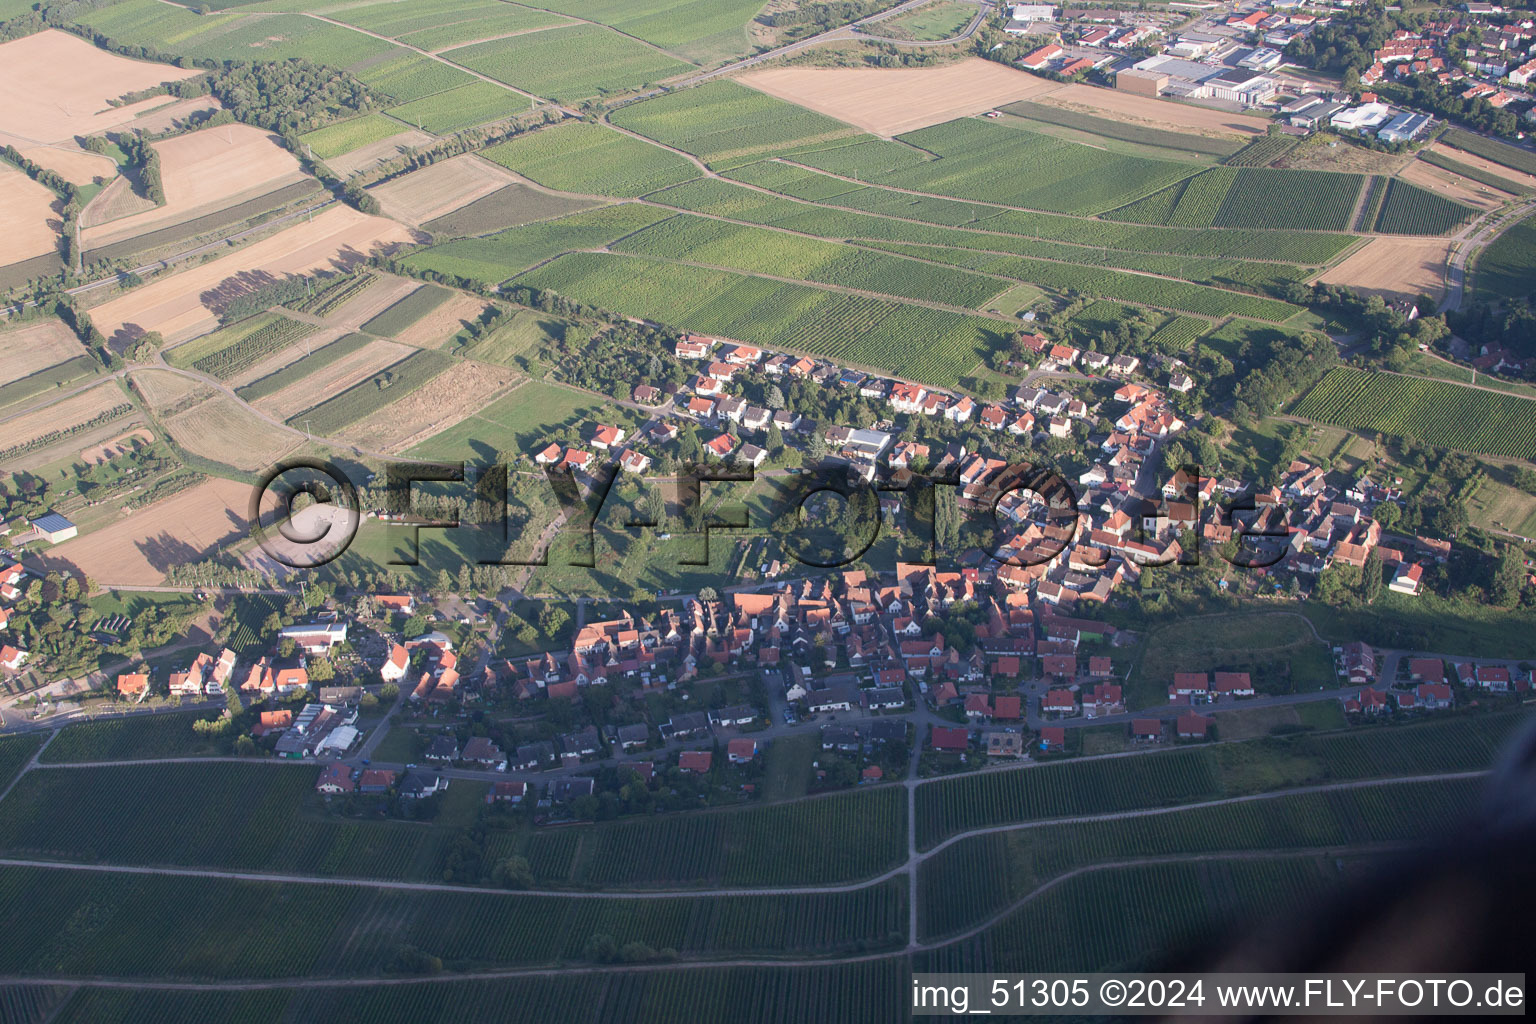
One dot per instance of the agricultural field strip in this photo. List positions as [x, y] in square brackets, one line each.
[879, 245]
[914, 858]
[833, 204]
[1017, 209]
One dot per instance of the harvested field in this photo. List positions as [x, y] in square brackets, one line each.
[444, 322]
[1158, 113]
[1395, 267]
[36, 347]
[423, 412]
[375, 299]
[440, 188]
[1484, 164]
[113, 447]
[333, 379]
[156, 120]
[1453, 186]
[225, 430]
[182, 305]
[28, 225]
[164, 389]
[281, 358]
[71, 162]
[138, 549]
[115, 202]
[71, 412]
[54, 85]
[205, 171]
[892, 101]
[365, 157]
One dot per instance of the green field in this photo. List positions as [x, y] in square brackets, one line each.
[1431, 411]
[1517, 157]
[15, 752]
[506, 207]
[593, 160]
[572, 63]
[1411, 210]
[388, 385]
[47, 379]
[236, 348]
[209, 928]
[722, 122]
[861, 330]
[411, 76]
[464, 107]
[1278, 650]
[335, 139]
[1110, 129]
[976, 877]
[971, 158]
[407, 311]
[863, 992]
[1262, 152]
[513, 422]
[297, 370]
[526, 330]
[138, 737]
[779, 254]
[233, 35]
[698, 30]
[434, 24]
[942, 20]
[1507, 268]
[495, 258]
[1098, 786]
[1252, 197]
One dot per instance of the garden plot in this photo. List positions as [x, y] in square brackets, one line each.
[204, 172]
[892, 101]
[54, 86]
[440, 188]
[182, 305]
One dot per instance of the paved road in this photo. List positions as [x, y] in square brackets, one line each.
[1468, 244]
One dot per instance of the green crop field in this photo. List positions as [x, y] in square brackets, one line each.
[838, 217]
[1431, 411]
[464, 107]
[434, 24]
[978, 876]
[763, 251]
[495, 258]
[723, 122]
[1262, 152]
[1111, 129]
[569, 64]
[1370, 207]
[860, 330]
[233, 35]
[826, 840]
[1178, 334]
[1132, 917]
[506, 207]
[411, 77]
[515, 421]
[133, 738]
[526, 330]
[1476, 174]
[697, 30]
[1507, 268]
[971, 158]
[942, 20]
[345, 136]
[593, 160]
[1264, 197]
[1411, 210]
[1518, 158]
[1112, 284]
[227, 352]
[297, 370]
[407, 311]
[1098, 786]
[15, 752]
[210, 928]
[47, 379]
[388, 385]
[860, 992]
